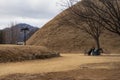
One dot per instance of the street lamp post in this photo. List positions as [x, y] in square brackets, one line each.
[24, 30]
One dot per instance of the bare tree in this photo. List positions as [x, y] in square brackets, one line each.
[81, 20]
[107, 10]
[94, 30]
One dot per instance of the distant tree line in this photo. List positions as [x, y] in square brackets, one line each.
[14, 34]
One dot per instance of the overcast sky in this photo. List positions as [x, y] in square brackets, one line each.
[33, 12]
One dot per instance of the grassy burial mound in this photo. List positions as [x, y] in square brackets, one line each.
[10, 53]
[60, 35]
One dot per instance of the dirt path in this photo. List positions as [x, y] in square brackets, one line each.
[64, 63]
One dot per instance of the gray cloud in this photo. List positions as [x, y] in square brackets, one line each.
[27, 9]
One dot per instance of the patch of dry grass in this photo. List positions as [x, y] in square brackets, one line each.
[65, 63]
[12, 53]
[79, 74]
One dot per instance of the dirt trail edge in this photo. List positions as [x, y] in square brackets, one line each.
[64, 63]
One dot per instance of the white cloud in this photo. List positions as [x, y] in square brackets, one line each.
[35, 12]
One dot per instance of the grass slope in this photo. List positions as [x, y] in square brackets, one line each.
[61, 36]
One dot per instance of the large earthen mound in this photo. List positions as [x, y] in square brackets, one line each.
[60, 35]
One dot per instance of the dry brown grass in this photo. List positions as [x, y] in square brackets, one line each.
[79, 74]
[13, 53]
[65, 63]
[60, 35]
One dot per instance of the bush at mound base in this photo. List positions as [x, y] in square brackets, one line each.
[12, 53]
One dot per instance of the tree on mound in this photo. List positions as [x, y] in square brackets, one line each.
[104, 12]
[97, 14]
[108, 11]
[89, 26]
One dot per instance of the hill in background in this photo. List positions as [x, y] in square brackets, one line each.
[60, 35]
[14, 34]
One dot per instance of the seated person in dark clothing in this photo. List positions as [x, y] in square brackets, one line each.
[97, 51]
[90, 51]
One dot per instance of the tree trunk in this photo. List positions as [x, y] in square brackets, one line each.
[98, 46]
[98, 43]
